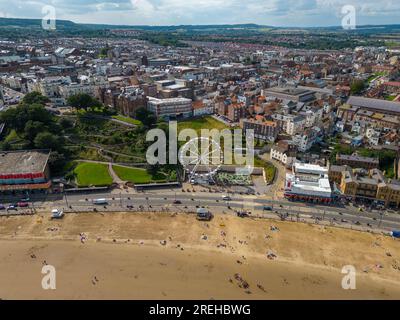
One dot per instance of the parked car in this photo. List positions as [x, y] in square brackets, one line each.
[2, 207]
[226, 198]
[23, 204]
[267, 208]
[177, 202]
[12, 207]
[242, 214]
[203, 214]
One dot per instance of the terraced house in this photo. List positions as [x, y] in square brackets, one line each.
[358, 184]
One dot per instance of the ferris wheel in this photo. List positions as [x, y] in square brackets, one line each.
[201, 158]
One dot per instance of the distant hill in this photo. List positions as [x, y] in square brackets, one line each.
[65, 25]
[319, 38]
[18, 22]
[28, 23]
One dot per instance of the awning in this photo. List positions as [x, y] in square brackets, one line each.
[33, 186]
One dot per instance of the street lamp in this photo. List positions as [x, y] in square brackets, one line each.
[65, 195]
[380, 220]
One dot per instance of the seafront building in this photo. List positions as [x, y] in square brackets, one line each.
[308, 182]
[24, 171]
[371, 186]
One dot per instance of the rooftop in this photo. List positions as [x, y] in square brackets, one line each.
[16, 162]
[309, 168]
[356, 158]
[288, 90]
[376, 104]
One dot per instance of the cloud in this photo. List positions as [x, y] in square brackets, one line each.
[168, 12]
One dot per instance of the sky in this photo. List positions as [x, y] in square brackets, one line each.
[281, 13]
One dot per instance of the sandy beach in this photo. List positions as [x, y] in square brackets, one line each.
[164, 256]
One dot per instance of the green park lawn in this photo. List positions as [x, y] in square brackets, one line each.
[269, 168]
[127, 120]
[92, 174]
[136, 175]
[201, 123]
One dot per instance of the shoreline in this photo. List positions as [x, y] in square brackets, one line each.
[309, 257]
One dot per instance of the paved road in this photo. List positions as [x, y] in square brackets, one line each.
[189, 200]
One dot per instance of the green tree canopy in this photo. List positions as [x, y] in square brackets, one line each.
[18, 117]
[47, 140]
[35, 97]
[83, 101]
[357, 86]
[146, 117]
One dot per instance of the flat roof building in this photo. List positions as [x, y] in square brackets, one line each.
[307, 168]
[307, 188]
[289, 93]
[375, 105]
[308, 182]
[24, 170]
[171, 107]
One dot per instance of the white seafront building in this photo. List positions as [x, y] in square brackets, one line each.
[308, 182]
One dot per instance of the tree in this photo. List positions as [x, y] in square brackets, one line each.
[146, 117]
[153, 169]
[5, 146]
[83, 101]
[47, 140]
[57, 162]
[17, 118]
[103, 52]
[35, 97]
[32, 129]
[357, 86]
[66, 123]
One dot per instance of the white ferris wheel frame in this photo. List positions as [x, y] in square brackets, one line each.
[197, 158]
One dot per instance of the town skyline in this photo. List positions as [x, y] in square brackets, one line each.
[202, 151]
[150, 12]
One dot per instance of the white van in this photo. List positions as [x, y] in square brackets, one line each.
[100, 201]
[57, 214]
